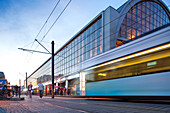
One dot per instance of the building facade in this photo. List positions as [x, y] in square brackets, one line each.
[97, 54]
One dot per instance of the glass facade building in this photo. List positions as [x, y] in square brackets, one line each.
[143, 17]
[104, 35]
[87, 44]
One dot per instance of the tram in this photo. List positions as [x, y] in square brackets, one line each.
[140, 68]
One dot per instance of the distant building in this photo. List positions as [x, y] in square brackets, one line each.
[44, 78]
[97, 59]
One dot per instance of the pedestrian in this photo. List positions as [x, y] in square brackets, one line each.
[61, 90]
[40, 89]
[9, 89]
[50, 91]
[16, 90]
[55, 91]
[68, 91]
[58, 91]
[13, 90]
[29, 90]
[64, 91]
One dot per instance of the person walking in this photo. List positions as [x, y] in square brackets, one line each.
[61, 90]
[40, 89]
[68, 91]
[55, 91]
[29, 90]
[9, 89]
[16, 90]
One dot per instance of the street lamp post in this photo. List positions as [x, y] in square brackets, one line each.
[52, 71]
[26, 80]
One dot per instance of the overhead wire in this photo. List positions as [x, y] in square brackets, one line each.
[47, 19]
[55, 21]
[28, 44]
[42, 29]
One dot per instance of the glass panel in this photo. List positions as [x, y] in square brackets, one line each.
[143, 17]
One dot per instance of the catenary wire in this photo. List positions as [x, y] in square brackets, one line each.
[53, 24]
[28, 44]
[46, 21]
[55, 21]
[42, 29]
[48, 18]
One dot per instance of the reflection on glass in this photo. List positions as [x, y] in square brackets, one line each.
[88, 44]
[141, 18]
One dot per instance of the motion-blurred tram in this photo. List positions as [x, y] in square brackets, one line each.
[139, 68]
[121, 52]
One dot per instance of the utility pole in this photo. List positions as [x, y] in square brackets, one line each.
[26, 80]
[52, 59]
[19, 82]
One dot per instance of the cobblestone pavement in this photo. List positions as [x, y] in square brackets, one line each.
[78, 105]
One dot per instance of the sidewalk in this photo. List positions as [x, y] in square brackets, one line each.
[62, 104]
[34, 105]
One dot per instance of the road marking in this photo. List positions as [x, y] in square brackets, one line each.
[73, 102]
[66, 107]
[70, 102]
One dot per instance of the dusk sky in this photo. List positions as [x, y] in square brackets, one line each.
[21, 20]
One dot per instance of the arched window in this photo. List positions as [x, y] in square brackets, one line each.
[141, 18]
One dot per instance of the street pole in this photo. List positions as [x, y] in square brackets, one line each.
[19, 82]
[26, 80]
[52, 59]
[19, 87]
[52, 71]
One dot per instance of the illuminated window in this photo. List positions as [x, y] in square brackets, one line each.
[141, 18]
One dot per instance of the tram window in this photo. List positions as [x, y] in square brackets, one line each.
[151, 63]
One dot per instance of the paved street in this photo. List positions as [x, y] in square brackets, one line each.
[78, 105]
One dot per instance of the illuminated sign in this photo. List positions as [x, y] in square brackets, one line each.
[151, 63]
[102, 74]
